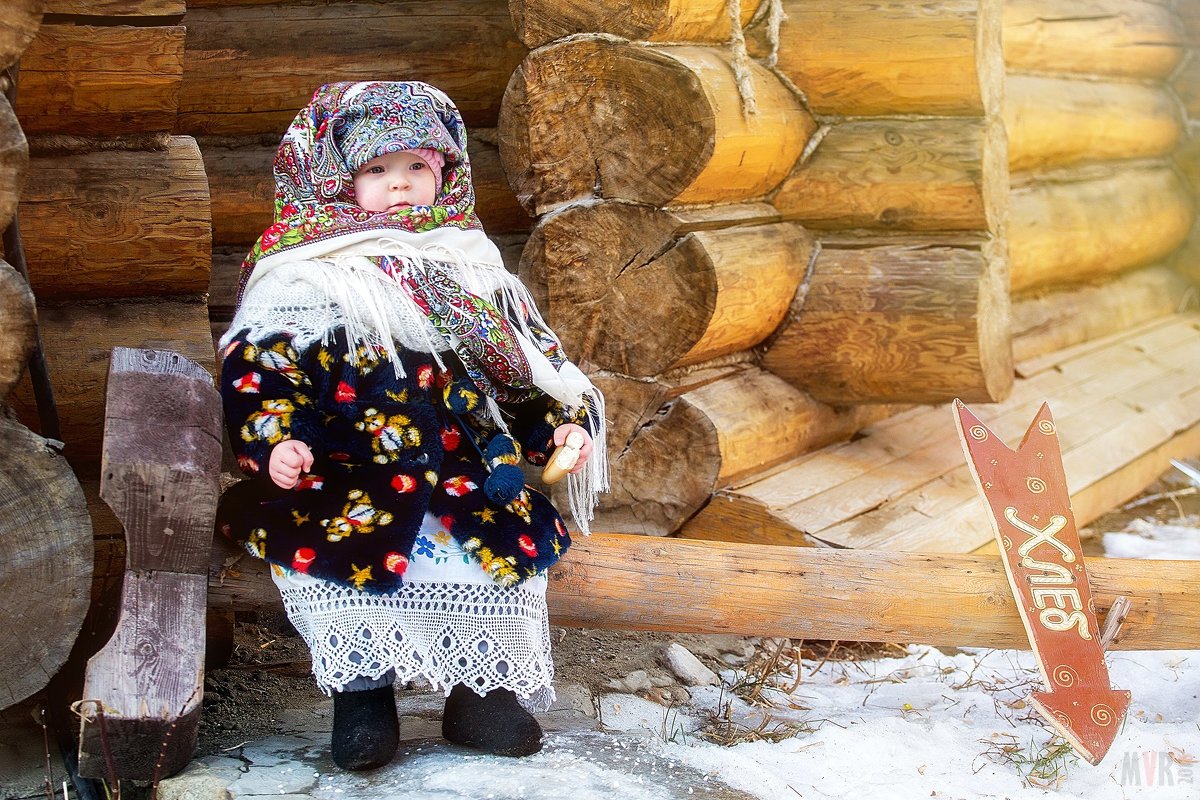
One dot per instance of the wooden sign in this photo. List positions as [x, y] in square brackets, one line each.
[1026, 492]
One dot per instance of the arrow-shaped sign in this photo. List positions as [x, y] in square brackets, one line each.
[1026, 492]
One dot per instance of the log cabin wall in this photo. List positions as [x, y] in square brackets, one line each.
[1186, 85]
[1093, 115]
[759, 250]
[114, 216]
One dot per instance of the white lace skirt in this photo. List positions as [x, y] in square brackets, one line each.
[449, 623]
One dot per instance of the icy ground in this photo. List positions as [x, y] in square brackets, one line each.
[938, 724]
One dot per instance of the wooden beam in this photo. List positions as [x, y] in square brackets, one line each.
[670, 127]
[896, 321]
[1095, 223]
[118, 223]
[104, 81]
[863, 58]
[1118, 38]
[237, 81]
[117, 8]
[897, 174]
[19, 22]
[640, 583]
[541, 21]
[1056, 122]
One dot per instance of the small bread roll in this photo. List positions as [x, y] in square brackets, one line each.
[563, 459]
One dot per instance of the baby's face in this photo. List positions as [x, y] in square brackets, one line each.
[395, 180]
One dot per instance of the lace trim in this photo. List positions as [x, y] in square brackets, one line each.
[482, 635]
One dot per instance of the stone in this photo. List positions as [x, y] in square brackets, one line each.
[687, 667]
[198, 785]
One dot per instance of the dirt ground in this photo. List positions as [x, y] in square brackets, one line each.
[268, 671]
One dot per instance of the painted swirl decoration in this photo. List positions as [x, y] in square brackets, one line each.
[1065, 676]
[1035, 485]
[979, 433]
[1046, 427]
[1103, 715]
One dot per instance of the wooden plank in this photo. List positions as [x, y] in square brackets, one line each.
[149, 676]
[238, 81]
[102, 81]
[117, 8]
[118, 223]
[641, 583]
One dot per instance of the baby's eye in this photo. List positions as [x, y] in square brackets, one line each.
[417, 165]
[376, 170]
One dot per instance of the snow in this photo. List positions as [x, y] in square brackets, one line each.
[928, 723]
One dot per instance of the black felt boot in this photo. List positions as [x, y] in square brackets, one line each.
[366, 731]
[494, 723]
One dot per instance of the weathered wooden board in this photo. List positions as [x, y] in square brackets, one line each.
[117, 8]
[641, 583]
[45, 561]
[78, 340]
[118, 223]
[238, 80]
[103, 81]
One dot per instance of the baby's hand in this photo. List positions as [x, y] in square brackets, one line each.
[288, 459]
[560, 436]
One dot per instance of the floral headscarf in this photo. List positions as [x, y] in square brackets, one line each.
[344, 126]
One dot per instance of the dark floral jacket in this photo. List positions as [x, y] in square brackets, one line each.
[386, 450]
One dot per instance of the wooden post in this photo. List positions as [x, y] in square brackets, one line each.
[162, 454]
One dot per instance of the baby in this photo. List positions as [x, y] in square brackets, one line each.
[379, 372]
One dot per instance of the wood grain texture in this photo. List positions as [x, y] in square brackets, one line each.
[117, 8]
[1056, 122]
[1117, 38]
[14, 159]
[249, 69]
[1097, 224]
[45, 561]
[1186, 83]
[149, 676]
[19, 23]
[1050, 321]
[118, 223]
[631, 290]
[541, 21]
[593, 117]
[894, 174]
[243, 188]
[893, 323]
[104, 81]
[870, 58]
[79, 339]
[637, 583]
[18, 327]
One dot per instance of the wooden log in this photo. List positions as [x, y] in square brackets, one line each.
[901, 175]
[540, 21]
[631, 290]
[118, 223]
[18, 327]
[865, 58]
[238, 81]
[14, 158]
[1187, 158]
[635, 583]
[19, 22]
[117, 8]
[78, 340]
[1101, 223]
[666, 127]
[1118, 38]
[906, 320]
[1054, 122]
[1051, 321]
[1186, 83]
[243, 188]
[105, 81]
[45, 561]
[162, 455]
